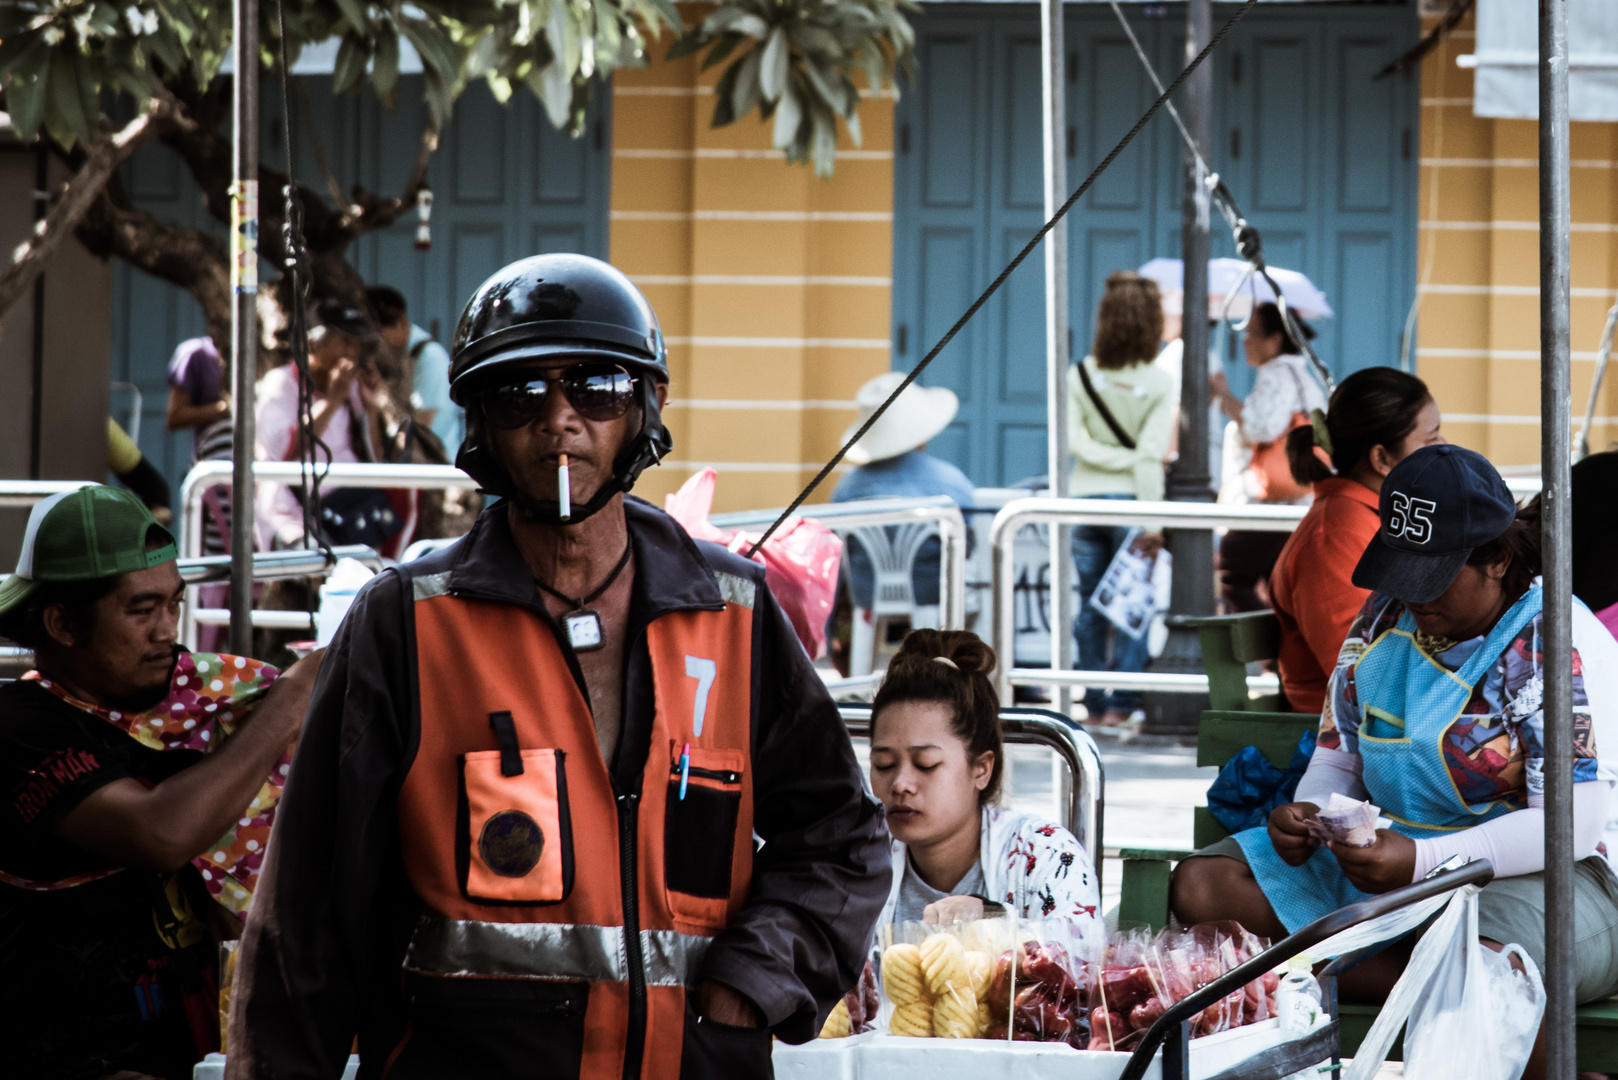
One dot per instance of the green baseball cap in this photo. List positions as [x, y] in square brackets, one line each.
[94, 531]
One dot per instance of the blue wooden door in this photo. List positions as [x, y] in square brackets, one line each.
[1320, 158]
[505, 185]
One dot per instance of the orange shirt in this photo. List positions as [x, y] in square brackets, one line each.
[1311, 590]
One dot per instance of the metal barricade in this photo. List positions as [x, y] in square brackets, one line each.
[206, 474]
[267, 565]
[25, 493]
[1086, 809]
[1149, 515]
[841, 517]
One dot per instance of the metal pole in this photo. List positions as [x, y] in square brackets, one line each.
[1192, 589]
[244, 318]
[1053, 83]
[1556, 404]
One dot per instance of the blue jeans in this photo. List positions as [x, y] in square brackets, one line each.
[1093, 549]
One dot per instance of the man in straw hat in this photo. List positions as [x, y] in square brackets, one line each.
[892, 463]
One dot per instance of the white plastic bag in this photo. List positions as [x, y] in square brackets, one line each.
[1472, 1016]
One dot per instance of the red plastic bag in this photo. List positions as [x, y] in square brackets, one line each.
[800, 559]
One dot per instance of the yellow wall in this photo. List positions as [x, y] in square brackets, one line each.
[772, 286]
[1478, 264]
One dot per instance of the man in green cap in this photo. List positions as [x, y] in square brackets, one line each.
[135, 798]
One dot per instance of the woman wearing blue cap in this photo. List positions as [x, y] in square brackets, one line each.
[1434, 715]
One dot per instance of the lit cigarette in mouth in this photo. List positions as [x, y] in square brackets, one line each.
[564, 491]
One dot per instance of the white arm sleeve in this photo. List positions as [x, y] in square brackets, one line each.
[1515, 843]
[1330, 771]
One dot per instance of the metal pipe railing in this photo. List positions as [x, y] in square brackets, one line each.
[1175, 1019]
[1148, 515]
[841, 517]
[25, 493]
[1086, 809]
[206, 474]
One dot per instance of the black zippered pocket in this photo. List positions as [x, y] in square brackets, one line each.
[699, 830]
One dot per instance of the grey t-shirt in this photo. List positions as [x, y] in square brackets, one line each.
[915, 894]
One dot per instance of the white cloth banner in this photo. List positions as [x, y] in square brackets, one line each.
[1507, 59]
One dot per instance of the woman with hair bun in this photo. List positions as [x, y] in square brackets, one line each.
[936, 763]
[1377, 417]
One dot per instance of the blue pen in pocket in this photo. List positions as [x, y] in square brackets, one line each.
[685, 770]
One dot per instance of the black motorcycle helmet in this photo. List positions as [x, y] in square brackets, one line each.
[557, 306]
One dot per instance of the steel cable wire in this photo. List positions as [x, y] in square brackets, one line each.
[1248, 241]
[298, 289]
[1000, 280]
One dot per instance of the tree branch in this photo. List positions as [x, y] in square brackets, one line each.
[110, 150]
[195, 260]
[375, 212]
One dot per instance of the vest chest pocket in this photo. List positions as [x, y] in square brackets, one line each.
[514, 837]
[699, 829]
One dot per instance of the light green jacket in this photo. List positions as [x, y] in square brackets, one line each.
[1141, 399]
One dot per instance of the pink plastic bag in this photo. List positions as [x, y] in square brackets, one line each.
[800, 559]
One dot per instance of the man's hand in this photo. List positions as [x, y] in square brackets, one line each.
[1384, 866]
[287, 703]
[952, 909]
[1290, 834]
[721, 1004]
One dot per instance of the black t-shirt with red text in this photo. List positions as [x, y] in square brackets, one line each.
[100, 976]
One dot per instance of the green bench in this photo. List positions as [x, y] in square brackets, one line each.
[1235, 720]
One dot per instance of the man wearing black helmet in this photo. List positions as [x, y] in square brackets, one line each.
[570, 800]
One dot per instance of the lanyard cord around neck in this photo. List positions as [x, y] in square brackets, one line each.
[578, 604]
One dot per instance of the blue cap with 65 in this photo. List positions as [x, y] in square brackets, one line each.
[1437, 505]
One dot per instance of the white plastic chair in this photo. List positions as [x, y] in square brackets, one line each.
[892, 550]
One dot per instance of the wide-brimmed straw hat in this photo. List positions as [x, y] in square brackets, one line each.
[920, 414]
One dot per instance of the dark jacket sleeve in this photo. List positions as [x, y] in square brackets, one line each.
[822, 876]
[331, 909]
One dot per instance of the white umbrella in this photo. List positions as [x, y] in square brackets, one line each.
[1226, 275]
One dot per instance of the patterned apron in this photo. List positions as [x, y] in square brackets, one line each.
[1407, 703]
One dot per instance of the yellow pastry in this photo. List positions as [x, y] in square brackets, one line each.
[837, 1024]
[914, 1019]
[943, 963]
[901, 974]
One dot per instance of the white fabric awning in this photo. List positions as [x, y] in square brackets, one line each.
[1507, 59]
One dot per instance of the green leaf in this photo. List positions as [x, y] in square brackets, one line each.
[687, 43]
[788, 115]
[25, 94]
[670, 13]
[722, 49]
[385, 67]
[433, 45]
[440, 102]
[825, 143]
[723, 93]
[354, 12]
[745, 94]
[829, 91]
[350, 67]
[64, 108]
[772, 72]
[12, 48]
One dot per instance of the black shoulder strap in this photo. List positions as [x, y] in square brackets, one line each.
[415, 350]
[1106, 414]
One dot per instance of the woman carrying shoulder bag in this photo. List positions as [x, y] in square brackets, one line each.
[1120, 419]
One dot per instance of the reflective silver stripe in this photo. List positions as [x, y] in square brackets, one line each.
[735, 590]
[561, 951]
[427, 586]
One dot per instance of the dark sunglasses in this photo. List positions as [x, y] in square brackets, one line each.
[596, 392]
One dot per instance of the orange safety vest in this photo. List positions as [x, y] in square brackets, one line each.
[544, 886]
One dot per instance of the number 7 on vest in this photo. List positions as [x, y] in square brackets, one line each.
[704, 672]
